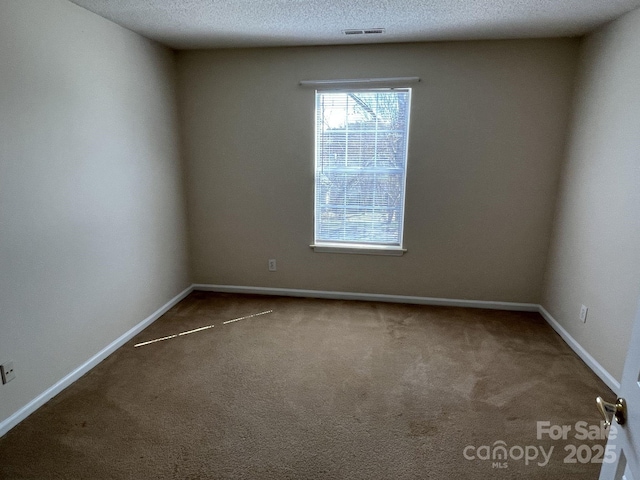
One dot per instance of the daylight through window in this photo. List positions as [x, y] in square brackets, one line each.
[360, 169]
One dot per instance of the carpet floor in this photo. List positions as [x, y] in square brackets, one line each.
[322, 389]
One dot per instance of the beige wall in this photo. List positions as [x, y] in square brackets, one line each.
[487, 135]
[92, 209]
[595, 254]
[92, 228]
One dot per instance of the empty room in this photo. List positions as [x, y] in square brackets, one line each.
[320, 239]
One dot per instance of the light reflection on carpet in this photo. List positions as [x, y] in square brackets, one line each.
[188, 332]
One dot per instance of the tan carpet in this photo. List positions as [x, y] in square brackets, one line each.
[316, 389]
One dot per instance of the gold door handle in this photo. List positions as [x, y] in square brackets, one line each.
[613, 411]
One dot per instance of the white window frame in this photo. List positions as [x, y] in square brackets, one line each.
[349, 247]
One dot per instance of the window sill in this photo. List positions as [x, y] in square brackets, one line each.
[359, 250]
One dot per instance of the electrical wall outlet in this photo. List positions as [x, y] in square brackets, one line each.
[583, 313]
[272, 265]
[6, 370]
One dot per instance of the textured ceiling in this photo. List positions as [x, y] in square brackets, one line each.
[242, 23]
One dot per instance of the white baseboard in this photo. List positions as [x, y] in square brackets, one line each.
[591, 362]
[59, 386]
[370, 297]
[51, 392]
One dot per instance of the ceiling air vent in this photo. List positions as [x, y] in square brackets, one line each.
[367, 31]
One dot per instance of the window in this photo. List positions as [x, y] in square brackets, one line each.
[360, 169]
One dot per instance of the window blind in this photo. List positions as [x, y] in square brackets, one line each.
[360, 169]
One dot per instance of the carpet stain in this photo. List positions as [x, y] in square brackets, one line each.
[421, 428]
